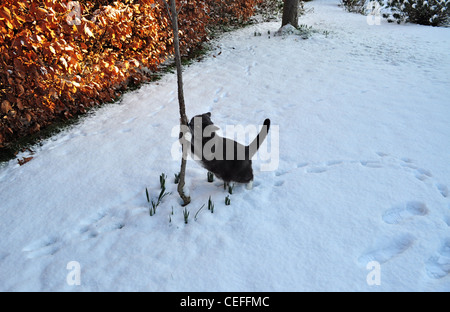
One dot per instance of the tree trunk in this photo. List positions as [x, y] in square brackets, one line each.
[290, 13]
[183, 118]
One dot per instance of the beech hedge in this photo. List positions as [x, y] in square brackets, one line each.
[59, 58]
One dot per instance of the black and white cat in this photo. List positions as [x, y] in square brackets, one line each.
[229, 160]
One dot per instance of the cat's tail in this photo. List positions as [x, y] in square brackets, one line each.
[254, 146]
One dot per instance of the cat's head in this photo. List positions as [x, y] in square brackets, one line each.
[202, 124]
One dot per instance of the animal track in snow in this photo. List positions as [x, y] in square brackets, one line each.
[320, 168]
[371, 163]
[281, 172]
[422, 174]
[316, 169]
[406, 160]
[385, 160]
[438, 266]
[248, 69]
[126, 130]
[443, 189]
[100, 224]
[156, 111]
[402, 213]
[387, 248]
[334, 162]
[256, 183]
[50, 245]
[221, 96]
[42, 247]
[447, 220]
[3, 255]
[129, 121]
[382, 154]
[288, 106]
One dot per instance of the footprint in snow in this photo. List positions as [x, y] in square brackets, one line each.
[402, 213]
[438, 266]
[385, 251]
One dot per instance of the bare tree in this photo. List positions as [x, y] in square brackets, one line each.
[173, 14]
[290, 13]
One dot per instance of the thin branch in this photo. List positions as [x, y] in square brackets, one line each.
[183, 118]
[168, 10]
[182, 4]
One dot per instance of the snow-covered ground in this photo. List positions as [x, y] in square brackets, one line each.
[358, 199]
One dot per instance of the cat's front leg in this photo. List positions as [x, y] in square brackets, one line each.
[249, 185]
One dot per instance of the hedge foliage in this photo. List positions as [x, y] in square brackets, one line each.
[424, 12]
[59, 58]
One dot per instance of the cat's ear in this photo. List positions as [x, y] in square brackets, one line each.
[209, 130]
[208, 114]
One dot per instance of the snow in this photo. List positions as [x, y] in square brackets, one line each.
[358, 199]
